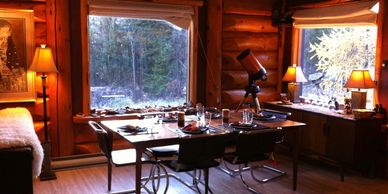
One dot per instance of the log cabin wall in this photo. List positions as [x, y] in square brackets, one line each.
[234, 27]
[39, 9]
[51, 28]
[40, 27]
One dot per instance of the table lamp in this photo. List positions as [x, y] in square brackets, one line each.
[43, 62]
[294, 76]
[359, 79]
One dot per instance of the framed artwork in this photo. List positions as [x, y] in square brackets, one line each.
[17, 83]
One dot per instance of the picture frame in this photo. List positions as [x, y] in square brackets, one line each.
[17, 82]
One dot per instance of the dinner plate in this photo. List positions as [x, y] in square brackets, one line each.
[169, 120]
[216, 115]
[246, 127]
[268, 117]
[132, 129]
[199, 131]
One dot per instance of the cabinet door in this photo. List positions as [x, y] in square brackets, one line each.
[313, 134]
[340, 140]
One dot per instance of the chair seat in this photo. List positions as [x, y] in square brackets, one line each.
[125, 157]
[178, 167]
[164, 151]
[233, 159]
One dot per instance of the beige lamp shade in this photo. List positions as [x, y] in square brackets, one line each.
[43, 61]
[294, 74]
[360, 79]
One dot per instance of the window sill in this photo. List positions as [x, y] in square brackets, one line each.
[81, 119]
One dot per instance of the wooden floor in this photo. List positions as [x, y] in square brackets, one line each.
[313, 179]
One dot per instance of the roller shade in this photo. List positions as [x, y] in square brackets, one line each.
[179, 15]
[350, 14]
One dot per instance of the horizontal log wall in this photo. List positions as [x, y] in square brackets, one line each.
[248, 24]
[40, 25]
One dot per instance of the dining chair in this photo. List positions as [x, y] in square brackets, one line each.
[278, 116]
[125, 157]
[198, 153]
[252, 146]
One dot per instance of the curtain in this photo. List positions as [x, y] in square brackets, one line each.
[179, 15]
[350, 14]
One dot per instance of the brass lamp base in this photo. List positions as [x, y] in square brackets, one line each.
[294, 92]
[358, 100]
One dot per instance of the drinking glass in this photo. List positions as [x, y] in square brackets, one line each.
[200, 114]
[208, 118]
[225, 116]
[247, 117]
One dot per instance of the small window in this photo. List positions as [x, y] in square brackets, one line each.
[328, 55]
[137, 62]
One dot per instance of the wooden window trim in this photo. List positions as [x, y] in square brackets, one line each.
[192, 74]
[296, 40]
[296, 57]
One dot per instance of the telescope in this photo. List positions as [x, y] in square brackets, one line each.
[250, 63]
[255, 72]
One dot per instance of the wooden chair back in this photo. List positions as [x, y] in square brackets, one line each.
[104, 139]
[198, 151]
[253, 145]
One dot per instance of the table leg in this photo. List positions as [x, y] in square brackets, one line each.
[295, 155]
[139, 154]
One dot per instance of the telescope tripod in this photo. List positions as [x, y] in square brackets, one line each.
[251, 89]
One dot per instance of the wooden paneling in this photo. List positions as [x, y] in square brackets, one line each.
[269, 59]
[52, 79]
[231, 98]
[239, 79]
[233, 41]
[65, 116]
[214, 48]
[247, 23]
[248, 7]
[40, 33]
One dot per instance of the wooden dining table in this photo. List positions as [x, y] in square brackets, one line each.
[168, 133]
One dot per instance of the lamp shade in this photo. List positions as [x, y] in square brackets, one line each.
[360, 79]
[294, 74]
[43, 61]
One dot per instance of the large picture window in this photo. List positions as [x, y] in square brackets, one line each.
[139, 56]
[328, 55]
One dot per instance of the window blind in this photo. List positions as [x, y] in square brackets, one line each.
[350, 14]
[179, 15]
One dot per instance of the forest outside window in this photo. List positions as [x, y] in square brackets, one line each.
[332, 41]
[140, 58]
[328, 55]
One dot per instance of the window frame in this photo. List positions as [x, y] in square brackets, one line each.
[296, 55]
[192, 66]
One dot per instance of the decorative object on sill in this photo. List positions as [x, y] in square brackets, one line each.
[44, 63]
[255, 72]
[362, 113]
[359, 79]
[333, 104]
[380, 111]
[294, 76]
[284, 99]
[347, 108]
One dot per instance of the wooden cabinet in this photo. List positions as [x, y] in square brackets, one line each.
[335, 137]
[340, 139]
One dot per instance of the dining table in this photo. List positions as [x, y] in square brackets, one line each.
[161, 133]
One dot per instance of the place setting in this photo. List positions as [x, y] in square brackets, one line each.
[247, 123]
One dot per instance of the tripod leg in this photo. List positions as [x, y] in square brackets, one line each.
[241, 102]
[258, 108]
[256, 102]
